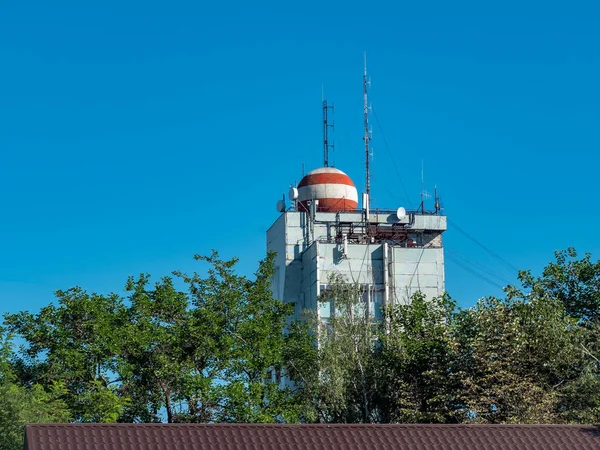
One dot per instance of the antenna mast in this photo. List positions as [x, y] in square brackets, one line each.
[367, 136]
[326, 126]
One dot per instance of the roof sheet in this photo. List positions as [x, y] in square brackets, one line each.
[309, 437]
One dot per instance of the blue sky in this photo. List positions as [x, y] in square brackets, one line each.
[135, 134]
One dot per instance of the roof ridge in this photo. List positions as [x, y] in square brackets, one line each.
[317, 425]
[232, 436]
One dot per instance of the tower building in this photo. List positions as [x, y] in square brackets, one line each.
[389, 253]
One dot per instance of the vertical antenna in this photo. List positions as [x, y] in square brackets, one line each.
[422, 186]
[326, 126]
[367, 136]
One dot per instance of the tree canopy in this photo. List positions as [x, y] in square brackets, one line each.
[217, 347]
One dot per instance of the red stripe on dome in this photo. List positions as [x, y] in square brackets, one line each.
[332, 205]
[326, 178]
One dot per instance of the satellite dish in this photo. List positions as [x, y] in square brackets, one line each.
[293, 194]
[401, 213]
[280, 206]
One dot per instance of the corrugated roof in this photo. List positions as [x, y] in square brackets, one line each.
[309, 437]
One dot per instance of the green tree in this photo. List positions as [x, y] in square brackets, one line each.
[155, 364]
[210, 354]
[575, 283]
[519, 359]
[335, 378]
[20, 405]
[77, 345]
[239, 331]
[222, 349]
[415, 360]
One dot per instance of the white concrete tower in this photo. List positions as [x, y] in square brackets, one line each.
[391, 254]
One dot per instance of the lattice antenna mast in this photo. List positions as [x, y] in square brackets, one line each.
[367, 136]
[326, 126]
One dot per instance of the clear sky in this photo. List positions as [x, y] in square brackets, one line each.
[135, 134]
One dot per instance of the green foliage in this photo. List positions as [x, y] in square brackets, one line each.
[217, 349]
[241, 341]
[20, 405]
[207, 355]
[574, 283]
[76, 344]
[336, 379]
[155, 369]
[529, 358]
[532, 357]
[514, 359]
[415, 362]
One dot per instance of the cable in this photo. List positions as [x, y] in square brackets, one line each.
[452, 256]
[416, 270]
[481, 277]
[477, 266]
[392, 158]
[495, 255]
[472, 272]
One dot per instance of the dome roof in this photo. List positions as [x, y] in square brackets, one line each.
[332, 187]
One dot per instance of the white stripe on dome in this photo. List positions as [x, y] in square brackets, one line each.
[326, 170]
[329, 190]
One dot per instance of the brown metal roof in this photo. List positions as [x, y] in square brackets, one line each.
[309, 437]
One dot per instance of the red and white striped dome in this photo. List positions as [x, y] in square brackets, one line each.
[332, 187]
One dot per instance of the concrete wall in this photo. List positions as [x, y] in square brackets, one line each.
[416, 269]
[306, 258]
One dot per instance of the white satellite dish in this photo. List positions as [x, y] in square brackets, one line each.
[401, 213]
[293, 194]
[280, 206]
